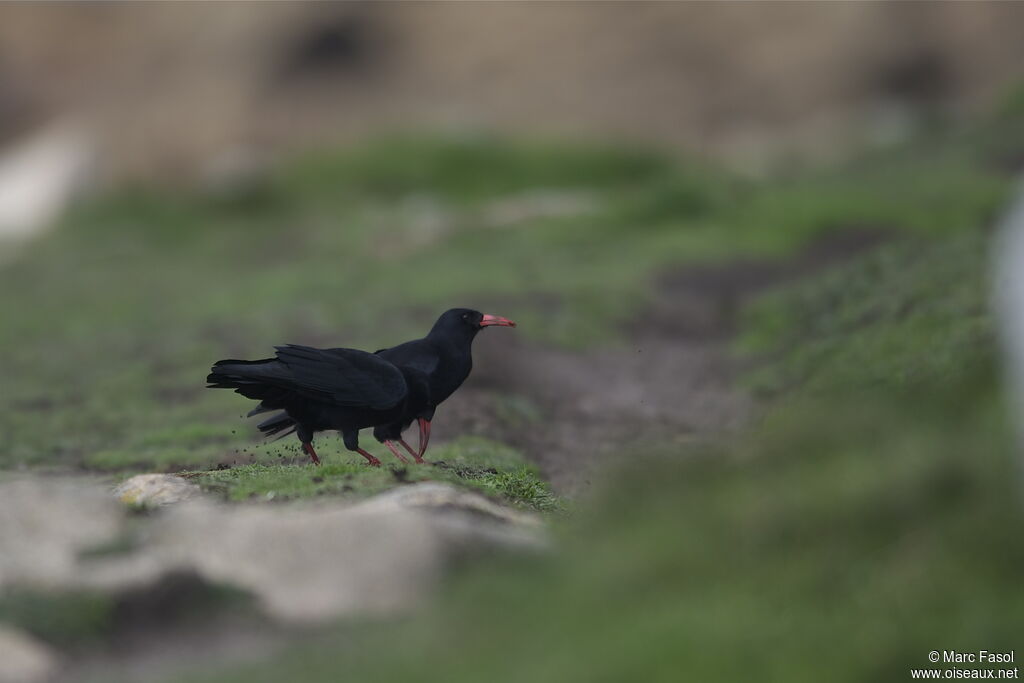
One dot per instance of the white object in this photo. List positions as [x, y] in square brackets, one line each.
[38, 178]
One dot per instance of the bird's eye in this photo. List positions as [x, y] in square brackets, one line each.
[465, 316]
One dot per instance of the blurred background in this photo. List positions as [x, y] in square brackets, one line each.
[753, 411]
[175, 93]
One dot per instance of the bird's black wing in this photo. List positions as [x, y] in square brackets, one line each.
[347, 377]
[418, 354]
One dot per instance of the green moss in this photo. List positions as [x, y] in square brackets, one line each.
[136, 293]
[871, 515]
[522, 487]
[465, 170]
[79, 620]
[913, 313]
[64, 619]
[475, 463]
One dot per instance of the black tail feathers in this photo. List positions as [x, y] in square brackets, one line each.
[255, 379]
[260, 380]
[230, 373]
[276, 424]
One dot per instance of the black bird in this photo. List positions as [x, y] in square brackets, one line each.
[319, 389]
[445, 357]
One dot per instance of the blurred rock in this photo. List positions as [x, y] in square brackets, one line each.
[312, 562]
[23, 659]
[46, 523]
[155, 490]
[308, 562]
[303, 561]
[464, 518]
[39, 176]
[438, 498]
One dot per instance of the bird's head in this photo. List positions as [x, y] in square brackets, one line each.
[464, 323]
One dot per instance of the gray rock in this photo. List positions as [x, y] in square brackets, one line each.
[465, 518]
[303, 561]
[309, 562]
[153, 490]
[24, 659]
[306, 562]
[46, 523]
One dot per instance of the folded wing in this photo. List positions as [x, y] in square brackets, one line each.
[344, 377]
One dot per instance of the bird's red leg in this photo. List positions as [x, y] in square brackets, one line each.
[413, 453]
[307, 448]
[391, 447]
[424, 435]
[369, 457]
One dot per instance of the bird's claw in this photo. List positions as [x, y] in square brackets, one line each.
[307, 448]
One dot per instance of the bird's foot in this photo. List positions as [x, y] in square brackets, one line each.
[424, 436]
[394, 449]
[415, 456]
[370, 458]
[307, 448]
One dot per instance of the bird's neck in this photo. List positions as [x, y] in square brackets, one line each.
[461, 343]
[456, 362]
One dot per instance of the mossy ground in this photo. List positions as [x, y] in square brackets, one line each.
[475, 463]
[111, 320]
[871, 515]
[79, 620]
[71, 618]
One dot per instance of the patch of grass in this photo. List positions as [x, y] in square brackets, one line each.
[63, 619]
[395, 167]
[475, 463]
[517, 411]
[139, 458]
[82, 619]
[284, 482]
[111, 320]
[522, 487]
[123, 544]
[909, 314]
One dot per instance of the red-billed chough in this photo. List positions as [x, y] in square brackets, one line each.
[445, 357]
[320, 389]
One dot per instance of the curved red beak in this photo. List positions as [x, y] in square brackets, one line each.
[496, 320]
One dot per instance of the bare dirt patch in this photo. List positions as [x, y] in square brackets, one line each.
[673, 378]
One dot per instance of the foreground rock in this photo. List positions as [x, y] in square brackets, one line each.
[23, 659]
[46, 524]
[154, 490]
[303, 561]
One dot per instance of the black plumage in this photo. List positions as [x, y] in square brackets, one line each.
[445, 357]
[325, 389]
